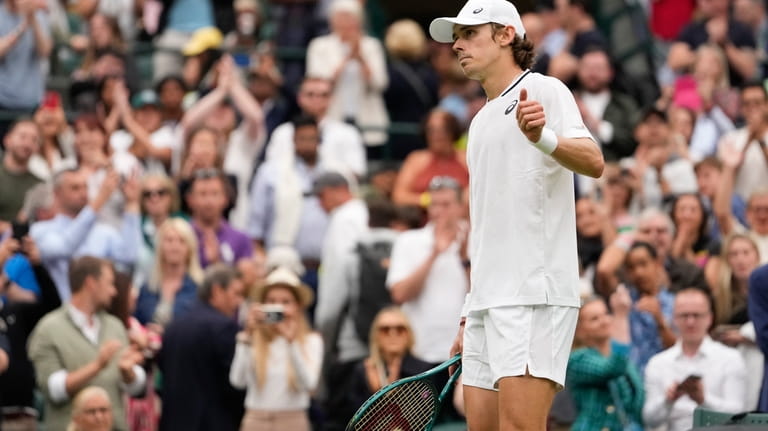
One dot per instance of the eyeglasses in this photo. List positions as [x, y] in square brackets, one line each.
[694, 316]
[443, 182]
[146, 194]
[389, 329]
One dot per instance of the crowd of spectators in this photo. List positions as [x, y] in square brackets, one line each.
[221, 234]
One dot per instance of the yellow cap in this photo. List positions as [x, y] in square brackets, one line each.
[203, 40]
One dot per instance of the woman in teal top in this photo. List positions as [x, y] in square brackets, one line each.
[606, 387]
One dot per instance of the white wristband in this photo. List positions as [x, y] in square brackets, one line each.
[548, 141]
[465, 307]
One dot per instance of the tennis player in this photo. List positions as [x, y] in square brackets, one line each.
[524, 146]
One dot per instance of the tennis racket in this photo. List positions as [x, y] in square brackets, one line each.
[409, 404]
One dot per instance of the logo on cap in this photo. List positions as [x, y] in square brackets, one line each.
[477, 11]
[510, 107]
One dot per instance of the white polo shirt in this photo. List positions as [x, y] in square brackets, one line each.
[522, 202]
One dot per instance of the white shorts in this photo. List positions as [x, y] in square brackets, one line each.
[504, 341]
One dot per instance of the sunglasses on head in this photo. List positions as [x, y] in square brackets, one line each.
[389, 329]
[443, 182]
[146, 194]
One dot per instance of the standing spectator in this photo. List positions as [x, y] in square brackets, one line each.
[283, 210]
[440, 158]
[427, 272]
[412, 89]
[25, 44]
[341, 146]
[199, 350]
[267, 92]
[218, 241]
[356, 66]
[606, 386]
[609, 115]
[75, 346]
[581, 34]
[752, 170]
[170, 92]
[651, 314]
[241, 144]
[18, 317]
[347, 222]
[715, 25]
[170, 291]
[278, 363]
[752, 14]
[57, 141]
[758, 309]
[21, 142]
[709, 176]
[75, 231]
[91, 411]
[696, 371]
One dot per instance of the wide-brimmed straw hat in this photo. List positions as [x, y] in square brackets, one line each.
[284, 277]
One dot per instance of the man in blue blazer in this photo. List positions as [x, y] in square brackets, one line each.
[758, 312]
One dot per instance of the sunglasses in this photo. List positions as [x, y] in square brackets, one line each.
[389, 329]
[443, 182]
[146, 194]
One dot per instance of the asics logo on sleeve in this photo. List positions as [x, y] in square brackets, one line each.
[511, 107]
[477, 11]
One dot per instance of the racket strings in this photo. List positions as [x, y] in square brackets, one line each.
[407, 407]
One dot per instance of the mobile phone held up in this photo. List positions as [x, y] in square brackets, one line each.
[19, 230]
[273, 313]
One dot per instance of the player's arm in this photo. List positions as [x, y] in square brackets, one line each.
[580, 155]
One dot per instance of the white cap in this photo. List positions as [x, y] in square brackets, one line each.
[476, 12]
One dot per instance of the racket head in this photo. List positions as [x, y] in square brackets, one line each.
[405, 405]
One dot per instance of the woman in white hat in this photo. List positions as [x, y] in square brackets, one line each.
[278, 358]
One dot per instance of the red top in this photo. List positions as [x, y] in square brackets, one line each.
[668, 17]
[440, 167]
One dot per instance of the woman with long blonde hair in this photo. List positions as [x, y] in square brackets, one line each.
[172, 286]
[278, 357]
[729, 278]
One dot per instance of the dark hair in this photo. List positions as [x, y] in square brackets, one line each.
[522, 48]
[381, 212]
[209, 174]
[710, 161]
[170, 78]
[82, 268]
[303, 120]
[703, 240]
[643, 245]
[22, 120]
[120, 306]
[410, 216]
[450, 121]
[753, 84]
[218, 274]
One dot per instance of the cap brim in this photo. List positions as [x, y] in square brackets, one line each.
[441, 29]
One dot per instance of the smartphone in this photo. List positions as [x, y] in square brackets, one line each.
[20, 230]
[690, 380]
[273, 313]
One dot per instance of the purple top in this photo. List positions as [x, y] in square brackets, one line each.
[233, 244]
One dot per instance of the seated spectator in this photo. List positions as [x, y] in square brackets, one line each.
[728, 275]
[651, 315]
[57, 141]
[91, 411]
[249, 20]
[412, 89]
[170, 92]
[593, 232]
[709, 175]
[619, 195]
[580, 35]
[752, 13]
[267, 92]
[200, 56]
[610, 115]
[170, 291]
[21, 142]
[200, 349]
[356, 66]
[757, 203]
[159, 201]
[207, 198]
[605, 385]
[691, 240]
[715, 25]
[660, 175]
[656, 228]
[278, 359]
[341, 146]
[18, 317]
[26, 44]
[239, 144]
[439, 159]
[76, 346]
[707, 92]
[696, 371]
[681, 122]
[103, 33]
[752, 170]
[122, 12]
[390, 358]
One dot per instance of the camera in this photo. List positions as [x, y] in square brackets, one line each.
[273, 313]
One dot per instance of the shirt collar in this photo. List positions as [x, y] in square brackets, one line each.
[79, 318]
[705, 348]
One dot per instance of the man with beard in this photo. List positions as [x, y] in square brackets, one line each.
[21, 142]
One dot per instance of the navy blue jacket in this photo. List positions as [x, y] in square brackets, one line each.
[758, 312]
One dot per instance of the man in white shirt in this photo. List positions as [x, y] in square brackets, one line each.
[427, 275]
[696, 371]
[524, 146]
[77, 345]
[341, 146]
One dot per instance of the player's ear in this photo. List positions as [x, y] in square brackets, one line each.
[506, 35]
